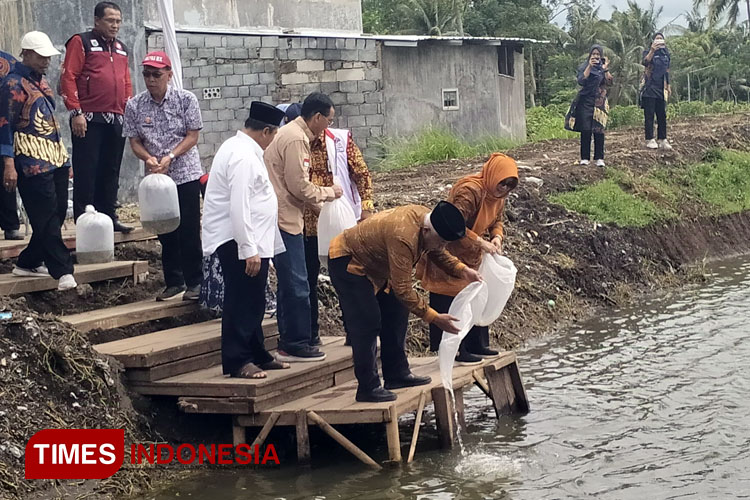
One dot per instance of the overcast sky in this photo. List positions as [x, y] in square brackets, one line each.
[672, 8]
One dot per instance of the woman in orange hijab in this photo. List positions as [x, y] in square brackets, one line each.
[481, 199]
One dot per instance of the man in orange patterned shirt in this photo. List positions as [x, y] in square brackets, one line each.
[346, 158]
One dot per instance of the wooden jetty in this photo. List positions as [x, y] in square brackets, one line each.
[185, 363]
[130, 314]
[86, 273]
[12, 248]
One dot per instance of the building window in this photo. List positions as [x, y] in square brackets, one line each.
[450, 99]
[505, 59]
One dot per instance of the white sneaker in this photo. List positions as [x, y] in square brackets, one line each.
[584, 162]
[651, 144]
[600, 163]
[665, 145]
[66, 282]
[39, 271]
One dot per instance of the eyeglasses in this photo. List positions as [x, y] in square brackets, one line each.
[330, 120]
[152, 74]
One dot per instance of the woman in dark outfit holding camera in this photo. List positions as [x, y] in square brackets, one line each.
[655, 90]
[590, 109]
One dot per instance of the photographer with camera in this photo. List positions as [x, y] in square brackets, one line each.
[655, 90]
[589, 111]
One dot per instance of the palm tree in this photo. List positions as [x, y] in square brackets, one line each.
[718, 8]
[432, 17]
[696, 21]
[627, 35]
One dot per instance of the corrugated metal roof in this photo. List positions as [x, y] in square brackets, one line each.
[406, 40]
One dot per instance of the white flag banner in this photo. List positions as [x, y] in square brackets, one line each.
[166, 15]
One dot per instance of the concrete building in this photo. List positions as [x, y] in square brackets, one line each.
[281, 50]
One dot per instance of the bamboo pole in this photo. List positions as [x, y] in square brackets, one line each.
[266, 430]
[417, 422]
[340, 439]
[394, 442]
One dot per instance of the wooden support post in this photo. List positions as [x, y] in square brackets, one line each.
[340, 439]
[266, 430]
[444, 416]
[417, 423]
[501, 388]
[515, 377]
[239, 434]
[481, 383]
[303, 437]
[458, 394]
[394, 442]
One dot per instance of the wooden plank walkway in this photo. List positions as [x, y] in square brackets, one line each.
[252, 395]
[338, 405]
[130, 314]
[86, 273]
[12, 248]
[168, 353]
[498, 377]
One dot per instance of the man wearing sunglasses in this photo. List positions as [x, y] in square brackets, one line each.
[288, 162]
[163, 124]
[95, 85]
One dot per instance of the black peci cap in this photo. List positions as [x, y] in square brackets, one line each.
[448, 222]
[266, 113]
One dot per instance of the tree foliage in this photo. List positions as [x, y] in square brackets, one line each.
[710, 60]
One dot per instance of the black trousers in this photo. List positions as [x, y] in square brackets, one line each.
[477, 338]
[9, 211]
[368, 315]
[586, 145]
[181, 253]
[655, 106]
[312, 261]
[96, 166]
[242, 339]
[43, 195]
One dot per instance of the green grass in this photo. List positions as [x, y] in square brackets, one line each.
[437, 145]
[546, 122]
[723, 184]
[542, 123]
[607, 202]
[719, 185]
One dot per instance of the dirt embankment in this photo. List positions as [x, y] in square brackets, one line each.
[51, 377]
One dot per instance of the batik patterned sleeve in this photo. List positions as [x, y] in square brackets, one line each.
[12, 98]
[193, 119]
[360, 174]
[129, 124]
[401, 263]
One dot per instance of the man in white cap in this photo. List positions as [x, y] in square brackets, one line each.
[35, 158]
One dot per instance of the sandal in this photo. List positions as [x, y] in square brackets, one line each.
[275, 365]
[251, 370]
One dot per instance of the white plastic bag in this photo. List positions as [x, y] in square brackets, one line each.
[466, 306]
[159, 204]
[334, 218]
[500, 275]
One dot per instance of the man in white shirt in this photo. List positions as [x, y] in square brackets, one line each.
[240, 224]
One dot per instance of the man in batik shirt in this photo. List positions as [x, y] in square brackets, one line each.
[335, 159]
[35, 159]
[163, 124]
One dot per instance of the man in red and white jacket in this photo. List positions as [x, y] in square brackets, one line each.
[95, 85]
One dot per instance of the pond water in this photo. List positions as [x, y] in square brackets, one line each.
[650, 402]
